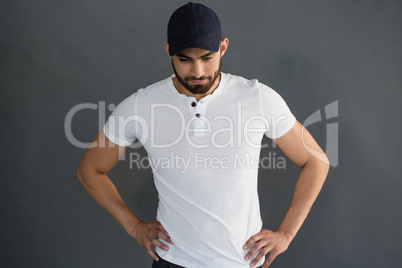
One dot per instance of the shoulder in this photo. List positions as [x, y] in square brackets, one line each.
[241, 88]
[155, 89]
[150, 92]
[271, 98]
[239, 81]
[130, 103]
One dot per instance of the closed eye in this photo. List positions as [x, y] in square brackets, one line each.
[183, 59]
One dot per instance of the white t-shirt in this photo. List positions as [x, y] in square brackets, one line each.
[204, 156]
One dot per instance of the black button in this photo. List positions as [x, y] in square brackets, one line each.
[193, 104]
[198, 115]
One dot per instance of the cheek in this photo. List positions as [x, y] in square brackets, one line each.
[212, 67]
[181, 69]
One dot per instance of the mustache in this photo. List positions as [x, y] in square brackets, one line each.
[193, 78]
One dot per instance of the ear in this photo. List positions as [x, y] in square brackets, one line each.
[224, 46]
[167, 48]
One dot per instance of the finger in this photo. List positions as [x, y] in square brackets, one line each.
[165, 237]
[159, 244]
[253, 250]
[260, 255]
[161, 227]
[270, 259]
[252, 239]
[150, 252]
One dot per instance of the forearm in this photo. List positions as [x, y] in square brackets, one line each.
[102, 189]
[308, 186]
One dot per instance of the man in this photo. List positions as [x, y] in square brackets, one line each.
[208, 125]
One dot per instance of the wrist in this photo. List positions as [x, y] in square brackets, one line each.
[288, 235]
[132, 227]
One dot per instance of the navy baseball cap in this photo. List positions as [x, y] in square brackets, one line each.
[194, 26]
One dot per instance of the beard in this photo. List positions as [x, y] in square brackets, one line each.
[198, 89]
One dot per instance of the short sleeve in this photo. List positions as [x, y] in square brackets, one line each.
[277, 113]
[121, 126]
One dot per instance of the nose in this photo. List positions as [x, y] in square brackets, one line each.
[198, 69]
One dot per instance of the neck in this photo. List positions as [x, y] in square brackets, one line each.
[184, 91]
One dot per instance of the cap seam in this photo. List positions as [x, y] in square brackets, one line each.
[213, 17]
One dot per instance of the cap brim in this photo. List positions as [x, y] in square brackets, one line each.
[203, 42]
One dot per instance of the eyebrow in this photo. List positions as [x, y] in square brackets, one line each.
[181, 55]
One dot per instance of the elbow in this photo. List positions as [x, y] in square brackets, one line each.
[326, 164]
[321, 162]
[83, 176]
[79, 174]
[86, 173]
[320, 159]
[321, 165]
[82, 173]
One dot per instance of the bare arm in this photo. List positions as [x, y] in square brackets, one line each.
[312, 176]
[101, 157]
[308, 186]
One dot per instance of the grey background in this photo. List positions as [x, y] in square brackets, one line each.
[57, 54]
